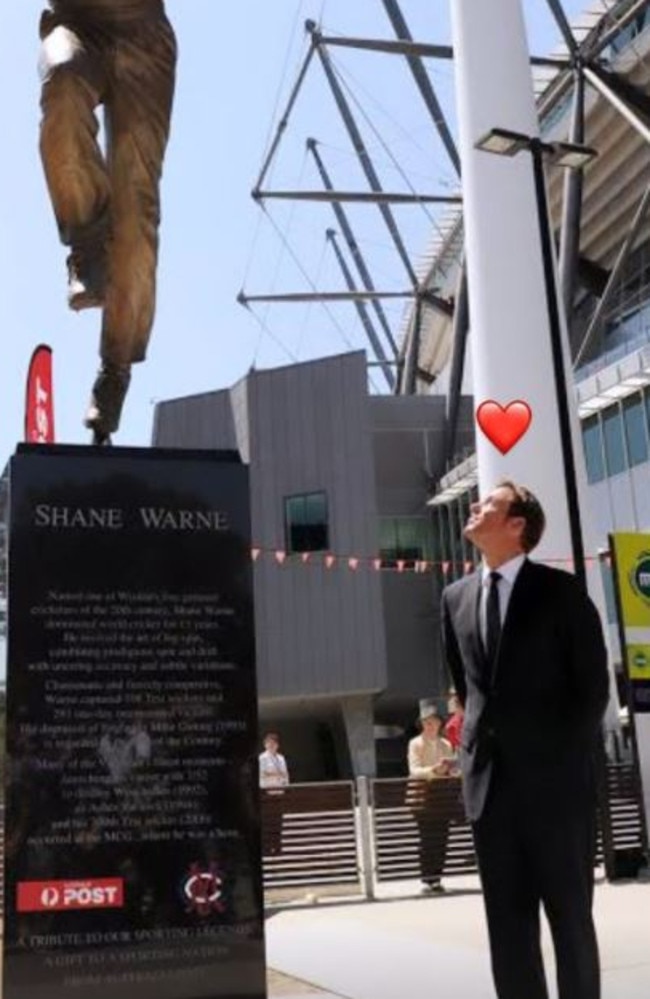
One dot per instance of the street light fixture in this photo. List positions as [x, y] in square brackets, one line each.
[572, 156]
[504, 142]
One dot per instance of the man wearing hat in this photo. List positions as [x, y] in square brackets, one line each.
[430, 757]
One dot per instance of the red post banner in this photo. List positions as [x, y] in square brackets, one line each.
[39, 402]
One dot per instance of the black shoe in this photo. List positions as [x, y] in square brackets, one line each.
[434, 886]
[86, 278]
[105, 409]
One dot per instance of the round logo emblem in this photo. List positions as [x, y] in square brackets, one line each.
[641, 576]
[641, 660]
[203, 890]
[50, 897]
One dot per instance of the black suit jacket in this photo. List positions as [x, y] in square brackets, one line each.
[541, 709]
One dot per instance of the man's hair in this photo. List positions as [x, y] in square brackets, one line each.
[525, 504]
[272, 735]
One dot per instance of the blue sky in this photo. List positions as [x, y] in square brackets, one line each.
[237, 64]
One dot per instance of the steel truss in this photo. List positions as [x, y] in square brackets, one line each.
[580, 69]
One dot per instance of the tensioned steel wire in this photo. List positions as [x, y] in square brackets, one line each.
[262, 321]
[279, 261]
[271, 129]
[386, 148]
[324, 305]
[386, 113]
[310, 305]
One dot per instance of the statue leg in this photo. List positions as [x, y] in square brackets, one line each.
[78, 182]
[138, 117]
[109, 392]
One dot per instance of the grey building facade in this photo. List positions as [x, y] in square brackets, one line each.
[344, 652]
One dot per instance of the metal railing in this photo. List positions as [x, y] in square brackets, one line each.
[414, 818]
[379, 830]
[310, 836]
[346, 836]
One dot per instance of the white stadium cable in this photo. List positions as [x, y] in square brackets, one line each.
[310, 305]
[265, 329]
[267, 143]
[423, 207]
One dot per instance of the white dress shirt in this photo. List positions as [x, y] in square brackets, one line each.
[424, 754]
[508, 572]
[273, 769]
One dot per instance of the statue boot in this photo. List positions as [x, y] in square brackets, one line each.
[88, 262]
[105, 409]
[86, 277]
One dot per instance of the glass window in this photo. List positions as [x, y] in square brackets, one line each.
[437, 548]
[457, 555]
[405, 539]
[388, 539]
[306, 524]
[646, 396]
[464, 504]
[614, 443]
[593, 444]
[608, 585]
[445, 545]
[635, 430]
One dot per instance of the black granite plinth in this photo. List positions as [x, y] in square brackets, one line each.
[132, 864]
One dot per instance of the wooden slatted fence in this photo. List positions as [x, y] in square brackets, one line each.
[399, 825]
[309, 836]
[623, 826]
[311, 832]
[406, 811]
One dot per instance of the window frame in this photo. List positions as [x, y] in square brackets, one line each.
[288, 539]
[391, 556]
[594, 422]
[627, 405]
[613, 414]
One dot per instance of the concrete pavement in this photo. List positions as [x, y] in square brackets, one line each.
[281, 986]
[407, 945]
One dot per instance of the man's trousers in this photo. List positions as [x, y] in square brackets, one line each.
[529, 857]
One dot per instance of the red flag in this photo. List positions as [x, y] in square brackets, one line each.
[39, 403]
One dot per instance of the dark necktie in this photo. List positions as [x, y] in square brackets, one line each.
[493, 620]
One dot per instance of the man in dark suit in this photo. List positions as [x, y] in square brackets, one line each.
[525, 649]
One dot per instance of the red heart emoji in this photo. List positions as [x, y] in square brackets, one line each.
[504, 426]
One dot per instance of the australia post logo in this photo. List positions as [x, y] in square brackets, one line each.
[55, 896]
[640, 577]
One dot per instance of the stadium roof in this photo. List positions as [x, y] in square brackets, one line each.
[611, 36]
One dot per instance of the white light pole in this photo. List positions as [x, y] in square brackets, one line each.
[510, 339]
[503, 142]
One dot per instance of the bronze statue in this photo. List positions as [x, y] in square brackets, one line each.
[120, 54]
